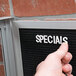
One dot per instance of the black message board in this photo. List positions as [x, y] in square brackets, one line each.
[36, 44]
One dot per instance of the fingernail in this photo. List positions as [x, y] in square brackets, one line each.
[65, 42]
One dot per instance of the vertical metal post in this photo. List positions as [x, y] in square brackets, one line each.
[8, 50]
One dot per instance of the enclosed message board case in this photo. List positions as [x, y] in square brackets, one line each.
[34, 40]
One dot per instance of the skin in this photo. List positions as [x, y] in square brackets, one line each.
[56, 63]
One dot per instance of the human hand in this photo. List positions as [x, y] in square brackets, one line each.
[56, 63]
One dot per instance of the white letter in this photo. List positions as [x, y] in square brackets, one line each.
[41, 38]
[61, 40]
[50, 39]
[54, 39]
[45, 39]
[38, 39]
[57, 40]
[65, 39]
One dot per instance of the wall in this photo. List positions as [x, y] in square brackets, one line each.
[36, 10]
[27, 8]
[4, 8]
[43, 7]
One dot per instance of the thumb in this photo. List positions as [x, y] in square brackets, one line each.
[63, 49]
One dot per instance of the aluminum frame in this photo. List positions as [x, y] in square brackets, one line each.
[11, 40]
[35, 25]
[8, 51]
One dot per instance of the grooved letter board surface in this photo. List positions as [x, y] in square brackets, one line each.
[33, 53]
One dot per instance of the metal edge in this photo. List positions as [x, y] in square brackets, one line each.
[45, 24]
[36, 25]
[17, 48]
[5, 52]
[8, 50]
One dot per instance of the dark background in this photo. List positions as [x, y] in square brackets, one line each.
[33, 53]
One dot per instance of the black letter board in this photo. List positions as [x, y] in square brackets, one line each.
[35, 51]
